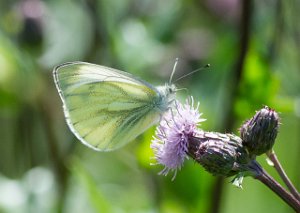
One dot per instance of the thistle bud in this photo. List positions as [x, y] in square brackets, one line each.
[259, 133]
[220, 154]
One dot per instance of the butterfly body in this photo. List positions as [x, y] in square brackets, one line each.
[107, 108]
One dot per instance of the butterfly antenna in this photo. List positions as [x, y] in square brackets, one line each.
[197, 70]
[173, 71]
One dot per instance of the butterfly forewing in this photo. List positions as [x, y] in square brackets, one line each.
[105, 108]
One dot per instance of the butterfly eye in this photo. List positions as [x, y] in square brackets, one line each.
[171, 89]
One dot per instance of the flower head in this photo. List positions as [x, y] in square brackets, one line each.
[259, 133]
[220, 154]
[170, 144]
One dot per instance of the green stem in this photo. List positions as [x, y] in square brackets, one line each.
[265, 178]
[273, 157]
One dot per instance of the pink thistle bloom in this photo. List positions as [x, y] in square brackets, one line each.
[170, 143]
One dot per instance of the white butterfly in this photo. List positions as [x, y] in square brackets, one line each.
[107, 108]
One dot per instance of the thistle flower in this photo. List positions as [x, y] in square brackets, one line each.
[260, 131]
[177, 137]
[220, 154]
[170, 145]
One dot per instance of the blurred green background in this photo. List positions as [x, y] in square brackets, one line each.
[253, 49]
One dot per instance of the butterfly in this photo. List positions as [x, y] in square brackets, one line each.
[106, 108]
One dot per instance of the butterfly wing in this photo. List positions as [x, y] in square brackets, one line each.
[105, 108]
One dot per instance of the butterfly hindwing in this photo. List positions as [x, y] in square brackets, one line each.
[105, 108]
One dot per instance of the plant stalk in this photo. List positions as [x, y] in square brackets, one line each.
[273, 157]
[266, 179]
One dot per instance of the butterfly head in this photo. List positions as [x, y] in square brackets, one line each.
[170, 91]
[167, 96]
